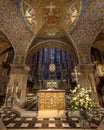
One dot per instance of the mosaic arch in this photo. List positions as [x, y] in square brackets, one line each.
[52, 35]
[15, 28]
[90, 23]
[52, 43]
[51, 63]
[6, 55]
[43, 54]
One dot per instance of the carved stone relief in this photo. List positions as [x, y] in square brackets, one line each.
[16, 88]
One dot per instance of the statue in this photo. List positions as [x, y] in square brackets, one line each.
[100, 70]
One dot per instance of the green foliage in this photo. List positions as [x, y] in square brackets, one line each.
[80, 100]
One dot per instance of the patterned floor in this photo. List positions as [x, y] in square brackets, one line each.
[11, 120]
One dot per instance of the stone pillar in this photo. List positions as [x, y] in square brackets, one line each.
[16, 89]
[87, 80]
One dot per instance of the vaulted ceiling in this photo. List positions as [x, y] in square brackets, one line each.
[62, 12]
[23, 22]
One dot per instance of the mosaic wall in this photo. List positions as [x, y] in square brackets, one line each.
[90, 23]
[15, 28]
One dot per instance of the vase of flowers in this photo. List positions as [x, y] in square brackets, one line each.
[81, 101]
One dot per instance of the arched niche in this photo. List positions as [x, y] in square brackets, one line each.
[52, 43]
[65, 69]
[6, 58]
[51, 36]
[97, 49]
[97, 58]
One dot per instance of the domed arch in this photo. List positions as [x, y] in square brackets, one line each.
[53, 35]
[58, 48]
[51, 43]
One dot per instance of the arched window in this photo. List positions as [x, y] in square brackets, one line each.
[51, 55]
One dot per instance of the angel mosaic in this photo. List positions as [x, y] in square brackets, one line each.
[30, 15]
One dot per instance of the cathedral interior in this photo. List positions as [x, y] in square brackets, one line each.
[47, 49]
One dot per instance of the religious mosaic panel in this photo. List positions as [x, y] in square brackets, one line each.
[51, 12]
[72, 13]
[30, 15]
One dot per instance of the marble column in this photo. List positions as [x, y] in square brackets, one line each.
[86, 80]
[16, 89]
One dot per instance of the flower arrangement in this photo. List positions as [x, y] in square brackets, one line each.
[83, 106]
[80, 100]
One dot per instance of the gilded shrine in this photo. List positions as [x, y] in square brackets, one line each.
[51, 103]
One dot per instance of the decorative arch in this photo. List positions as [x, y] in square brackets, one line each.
[6, 58]
[52, 43]
[88, 26]
[15, 28]
[6, 50]
[97, 48]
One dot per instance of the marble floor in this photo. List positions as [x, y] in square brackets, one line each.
[13, 121]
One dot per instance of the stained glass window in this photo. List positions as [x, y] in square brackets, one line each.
[48, 56]
[58, 71]
[52, 56]
[64, 69]
[45, 63]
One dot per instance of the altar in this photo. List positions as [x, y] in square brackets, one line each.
[51, 103]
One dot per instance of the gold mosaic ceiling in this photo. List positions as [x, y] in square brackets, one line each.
[62, 12]
[43, 3]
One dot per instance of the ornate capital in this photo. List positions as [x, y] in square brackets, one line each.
[19, 68]
[86, 68]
